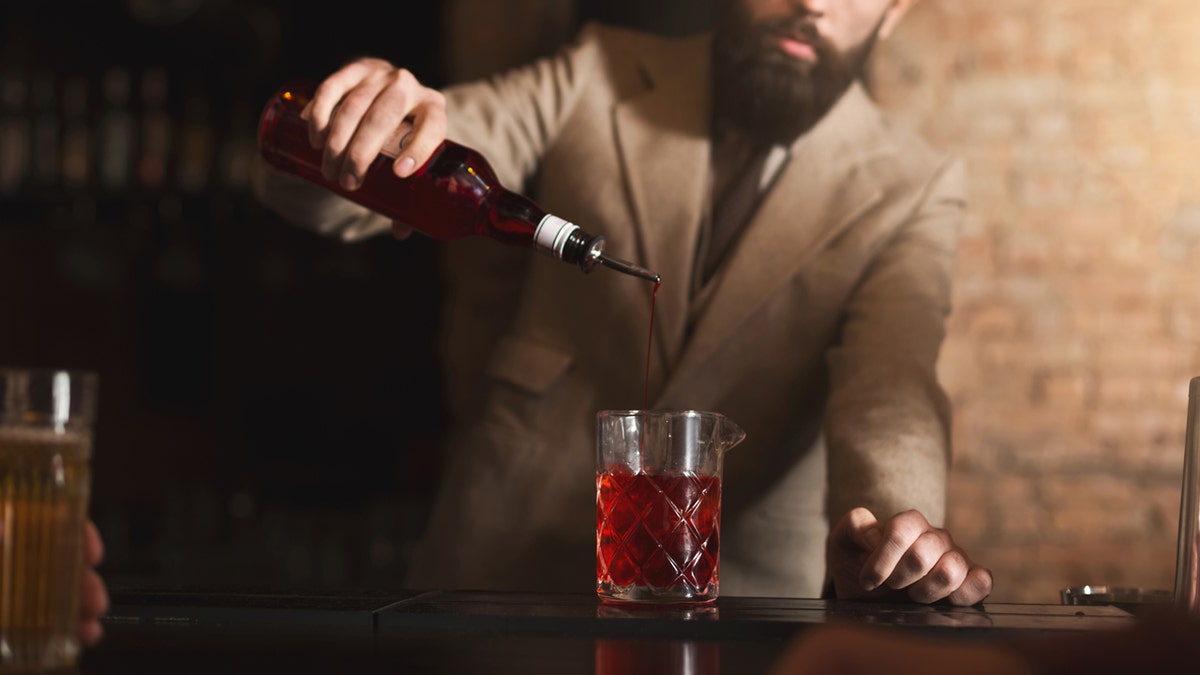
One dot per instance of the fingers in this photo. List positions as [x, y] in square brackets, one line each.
[93, 603]
[932, 551]
[93, 596]
[857, 529]
[429, 130]
[974, 589]
[943, 576]
[898, 535]
[93, 547]
[328, 96]
[90, 631]
[357, 112]
[909, 555]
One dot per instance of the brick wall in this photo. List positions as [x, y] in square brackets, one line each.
[1076, 323]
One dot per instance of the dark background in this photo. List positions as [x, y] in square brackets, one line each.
[270, 405]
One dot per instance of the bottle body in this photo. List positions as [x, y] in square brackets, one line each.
[453, 195]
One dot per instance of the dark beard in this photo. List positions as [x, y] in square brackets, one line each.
[767, 95]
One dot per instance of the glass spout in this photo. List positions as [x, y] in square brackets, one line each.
[728, 434]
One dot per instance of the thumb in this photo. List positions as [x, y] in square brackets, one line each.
[859, 528]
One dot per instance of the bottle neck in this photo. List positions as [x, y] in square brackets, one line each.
[565, 241]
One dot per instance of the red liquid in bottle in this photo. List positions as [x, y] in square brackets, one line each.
[455, 194]
[658, 532]
[443, 199]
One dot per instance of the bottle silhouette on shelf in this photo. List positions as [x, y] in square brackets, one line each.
[16, 146]
[157, 130]
[197, 143]
[47, 130]
[455, 194]
[116, 131]
[76, 134]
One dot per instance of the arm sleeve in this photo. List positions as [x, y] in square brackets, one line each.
[887, 421]
[513, 117]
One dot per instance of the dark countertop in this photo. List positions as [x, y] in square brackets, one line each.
[189, 631]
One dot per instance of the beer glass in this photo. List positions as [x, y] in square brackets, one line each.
[46, 421]
[658, 504]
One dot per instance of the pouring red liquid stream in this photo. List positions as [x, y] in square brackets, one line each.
[649, 344]
[657, 530]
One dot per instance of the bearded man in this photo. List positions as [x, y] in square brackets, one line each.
[805, 246]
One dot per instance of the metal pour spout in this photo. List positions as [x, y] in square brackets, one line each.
[628, 268]
[594, 255]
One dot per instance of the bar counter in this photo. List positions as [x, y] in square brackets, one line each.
[191, 631]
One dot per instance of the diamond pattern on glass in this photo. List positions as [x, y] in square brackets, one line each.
[657, 531]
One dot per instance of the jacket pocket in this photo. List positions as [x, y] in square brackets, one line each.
[527, 365]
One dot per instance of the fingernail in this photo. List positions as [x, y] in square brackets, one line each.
[405, 167]
[350, 182]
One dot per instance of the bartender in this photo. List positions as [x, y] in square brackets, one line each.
[805, 245]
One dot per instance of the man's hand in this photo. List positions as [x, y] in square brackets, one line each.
[904, 558]
[93, 598]
[362, 107]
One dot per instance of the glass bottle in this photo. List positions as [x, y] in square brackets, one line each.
[454, 195]
[15, 134]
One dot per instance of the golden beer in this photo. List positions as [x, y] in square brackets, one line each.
[45, 480]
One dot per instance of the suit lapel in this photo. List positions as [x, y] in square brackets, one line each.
[825, 186]
[662, 135]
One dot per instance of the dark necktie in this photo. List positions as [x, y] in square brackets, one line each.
[732, 209]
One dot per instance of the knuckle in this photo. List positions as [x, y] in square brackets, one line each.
[947, 571]
[919, 560]
[354, 104]
[943, 538]
[403, 77]
[913, 518]
[323, 89]
[387, 116]
[900, 531]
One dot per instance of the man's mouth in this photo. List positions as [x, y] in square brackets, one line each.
[797, 48]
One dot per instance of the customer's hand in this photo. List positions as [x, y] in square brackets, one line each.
[858, 650]
[93, 598]
[903, 558]
[363, 107]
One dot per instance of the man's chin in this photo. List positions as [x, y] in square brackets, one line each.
[784, 65]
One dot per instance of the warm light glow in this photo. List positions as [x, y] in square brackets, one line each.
[486, 187]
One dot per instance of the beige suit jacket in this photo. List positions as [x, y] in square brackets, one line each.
[819, 335]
